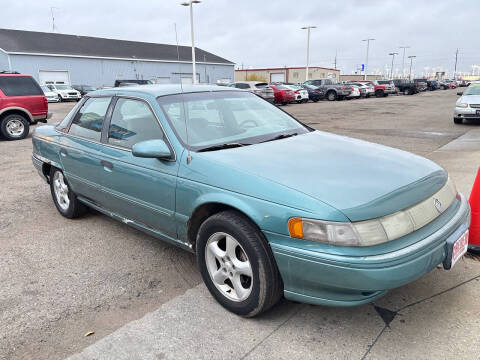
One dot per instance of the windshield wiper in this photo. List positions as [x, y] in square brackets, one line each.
[281, 136]
[222, 146]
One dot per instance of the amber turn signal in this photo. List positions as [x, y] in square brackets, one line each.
[295, 228]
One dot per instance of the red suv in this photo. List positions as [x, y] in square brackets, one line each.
[22, 103]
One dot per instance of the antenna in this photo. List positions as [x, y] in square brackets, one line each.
[53, 17]
[189, 156]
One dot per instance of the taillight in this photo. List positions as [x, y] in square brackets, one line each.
[45, 102]
[343, 87]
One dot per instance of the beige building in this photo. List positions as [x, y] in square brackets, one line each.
[359, 77]
[287, 74]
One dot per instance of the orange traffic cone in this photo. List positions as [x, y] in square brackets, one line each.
[474, 200]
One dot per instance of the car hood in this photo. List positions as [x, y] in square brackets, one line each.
[363, 180]
[470, 99]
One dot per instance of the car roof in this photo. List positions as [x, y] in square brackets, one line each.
[156, 90]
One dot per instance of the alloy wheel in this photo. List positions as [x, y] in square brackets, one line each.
[15, 127]
[60, 189]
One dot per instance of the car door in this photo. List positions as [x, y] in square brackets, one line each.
[139, 189]
[81, 149]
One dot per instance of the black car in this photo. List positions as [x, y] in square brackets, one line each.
[84, 89]
[433, 85]
[314, 93]
[405, 87]
[137, 82]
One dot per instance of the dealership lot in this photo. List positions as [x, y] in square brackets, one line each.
[62, 278]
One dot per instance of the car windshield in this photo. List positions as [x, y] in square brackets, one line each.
[226, 117]
[261, 85]
[63, 87]
[89, 88]
[45, 89]
[472, 90]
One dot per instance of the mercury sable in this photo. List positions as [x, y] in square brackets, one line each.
[270, 206]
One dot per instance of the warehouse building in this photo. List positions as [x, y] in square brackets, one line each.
[72, 59]
[286, 74]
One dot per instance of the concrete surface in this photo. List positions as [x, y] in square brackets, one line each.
[142, 298]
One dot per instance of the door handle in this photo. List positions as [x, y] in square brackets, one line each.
[107, 165]
[63, 152]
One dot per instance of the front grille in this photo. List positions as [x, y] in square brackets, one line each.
[72, 93]
[475, 106]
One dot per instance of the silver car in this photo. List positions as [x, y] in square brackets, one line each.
[260, 88]
[468, 106]
[50, 95]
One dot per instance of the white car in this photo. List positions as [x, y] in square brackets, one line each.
[369, 89]
[301, 95]
[50, 95]
[65, 92]
[355, 94]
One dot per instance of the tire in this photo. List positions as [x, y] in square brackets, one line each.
[284, 103]
[14, 127]
[299, 101]
[385, 95]
[457, 120]
[315, 100]
[406, 92]
[262, 289]
[331, 96]
[379, 93]
[63, 197]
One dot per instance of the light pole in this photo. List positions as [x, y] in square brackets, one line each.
[308, 47]
[194, 70]
[366, 62]
[411, 57]
[391, 69]
[403, 59]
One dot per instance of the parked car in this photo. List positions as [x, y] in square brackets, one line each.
[65, 92]
[22, 103]
[406, 87]
[432, 85]
[421, 84]
[462, 83]
[381, 90]
[389, 86]
[301, 95]
[282, 94]
[314, 93]
[451, 84]
[260, 88]
[332, 91]
[84, 89]
[368, 88]
[135, 81]
[269, 206]
[50, 95]
[468, 105]
[355, 94]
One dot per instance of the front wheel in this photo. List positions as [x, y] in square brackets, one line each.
[65, 200]
[14, 127]
[457, 120]
[379, 93]
[237, 265]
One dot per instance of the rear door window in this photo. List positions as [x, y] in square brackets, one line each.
[19, 86]
[88, 121]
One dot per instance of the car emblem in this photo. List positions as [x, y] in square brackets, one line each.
[438, 204]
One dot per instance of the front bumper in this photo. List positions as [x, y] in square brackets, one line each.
[466, 113]
[347, 280]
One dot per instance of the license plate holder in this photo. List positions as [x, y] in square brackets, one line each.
[456, 247]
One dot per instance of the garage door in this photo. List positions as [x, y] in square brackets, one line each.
[277, 77]
[52, 76]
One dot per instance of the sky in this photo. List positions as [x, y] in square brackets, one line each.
[268, 33]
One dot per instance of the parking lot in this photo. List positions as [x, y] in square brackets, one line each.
[145, 299]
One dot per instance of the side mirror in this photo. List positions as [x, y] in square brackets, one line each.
[152, 149]
[460, 93]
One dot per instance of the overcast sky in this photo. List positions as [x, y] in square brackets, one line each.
[267, 33]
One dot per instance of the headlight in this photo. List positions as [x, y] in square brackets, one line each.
[375, 231]
[462, 105]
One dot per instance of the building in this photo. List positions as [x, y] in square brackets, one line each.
[286, 74]
[99, 62]
[359, 77]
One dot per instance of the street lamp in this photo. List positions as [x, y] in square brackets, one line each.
[403, 59]
[393, 57]
[308, 47]
[411, 57]
[190, 3]
[366, 62]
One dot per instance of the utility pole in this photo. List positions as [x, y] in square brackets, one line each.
[366, 62]
[391, 69]
[194, 70]
[53, 17]
[411, 57]
[335, 62]
[403, 59]
[308, 47]
[455, 71]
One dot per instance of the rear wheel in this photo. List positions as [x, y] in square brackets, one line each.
[379, 93]
[237, 264]
[457, 120]
[14, 127]
[65, 200]
[331, 96]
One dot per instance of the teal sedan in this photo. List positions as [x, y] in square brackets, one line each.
[270, 206]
